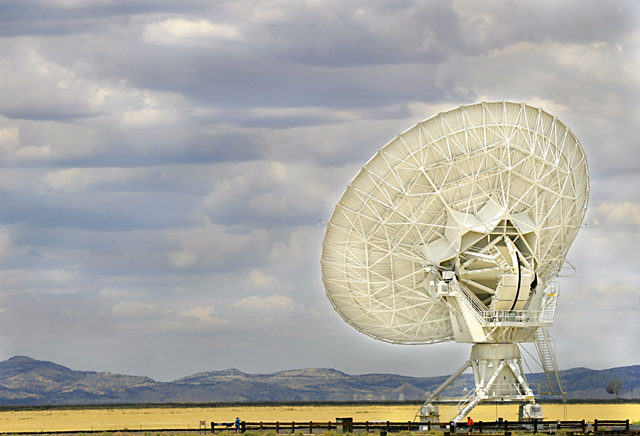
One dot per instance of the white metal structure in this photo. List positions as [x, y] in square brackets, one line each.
[454, 231]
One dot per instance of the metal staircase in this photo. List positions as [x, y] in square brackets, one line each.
[463, 407]
[474, 306]
[546, 350]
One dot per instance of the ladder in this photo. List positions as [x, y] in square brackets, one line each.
[546, 350]
[463, 407]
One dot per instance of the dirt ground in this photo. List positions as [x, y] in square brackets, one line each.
[188, 417]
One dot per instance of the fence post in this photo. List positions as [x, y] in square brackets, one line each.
[260, 425]
[329, 425]
[293, 427]
[627, 425]
[213, 425]
[243, 427]
[310, 427]
[584, 426]
[595, 425]
[535, 426]
[388, 428]
[277, 426]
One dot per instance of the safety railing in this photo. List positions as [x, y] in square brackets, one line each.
[502, 318]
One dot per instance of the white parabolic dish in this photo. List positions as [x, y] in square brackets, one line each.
[431, 197]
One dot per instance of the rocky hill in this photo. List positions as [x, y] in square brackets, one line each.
[32, 382]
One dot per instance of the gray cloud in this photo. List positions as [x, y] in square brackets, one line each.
[164, 167]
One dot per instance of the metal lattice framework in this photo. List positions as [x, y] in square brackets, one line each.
[495, 192]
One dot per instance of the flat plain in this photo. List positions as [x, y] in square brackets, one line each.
[153, 418]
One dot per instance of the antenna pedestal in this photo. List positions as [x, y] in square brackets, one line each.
[497, 376]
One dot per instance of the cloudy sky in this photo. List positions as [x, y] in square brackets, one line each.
[164, 166]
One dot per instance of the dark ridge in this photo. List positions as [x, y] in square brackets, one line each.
[29, 383]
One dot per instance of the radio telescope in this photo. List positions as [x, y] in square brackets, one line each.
[614, 387]
[455, 231]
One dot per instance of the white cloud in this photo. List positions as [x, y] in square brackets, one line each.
[60, 276]
[267, 191]
[38, 281]
[6, 245]
[63, 291]
[182, 259]
[144, 116]
[114, 293]
[258, 278]
[82, 179]
[215, 247]
[133, 308]
[273, 303]
[547, 105]
[12, 148]
[204, 314]
[180, 31]
[9, 137]
[617, 214]
[268, 12]
[602, 296]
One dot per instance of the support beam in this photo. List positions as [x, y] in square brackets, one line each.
[497, 375]
[444, 385]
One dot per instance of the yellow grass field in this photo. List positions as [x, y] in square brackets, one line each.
[174, 418]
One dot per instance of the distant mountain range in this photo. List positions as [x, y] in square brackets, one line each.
[26, 381]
